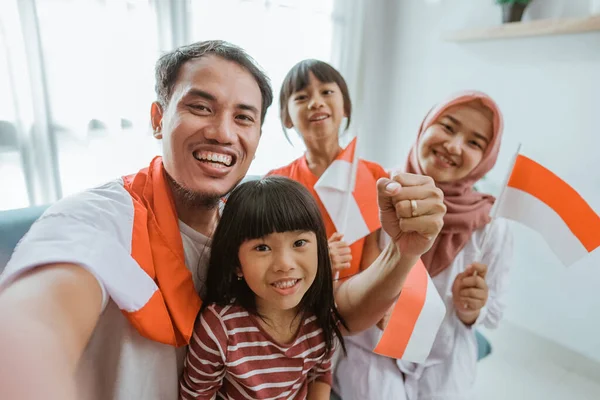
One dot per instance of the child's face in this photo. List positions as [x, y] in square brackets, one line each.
[279, 268]
[455, 143]
[317, 110]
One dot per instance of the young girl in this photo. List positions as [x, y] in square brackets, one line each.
[269, 324]
[314, 100]
[457, 145]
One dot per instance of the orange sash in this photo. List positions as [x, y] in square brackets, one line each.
[169, 315]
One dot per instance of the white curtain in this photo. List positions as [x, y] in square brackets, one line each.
[365, 50]
[348, 51]
[76, 83]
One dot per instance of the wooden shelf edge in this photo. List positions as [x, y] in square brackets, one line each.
[542, 27]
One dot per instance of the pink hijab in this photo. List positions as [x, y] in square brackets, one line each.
[467, 210]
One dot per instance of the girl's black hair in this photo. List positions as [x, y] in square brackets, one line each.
[254, 210]
[298, 78]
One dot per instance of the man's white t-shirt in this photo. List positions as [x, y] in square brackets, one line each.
[94, 229]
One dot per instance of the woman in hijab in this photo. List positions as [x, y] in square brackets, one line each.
[457, 144]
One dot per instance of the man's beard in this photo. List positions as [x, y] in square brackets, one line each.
[193, 199]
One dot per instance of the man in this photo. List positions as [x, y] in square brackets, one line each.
[98, 300]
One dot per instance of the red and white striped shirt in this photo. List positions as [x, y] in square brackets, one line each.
[232, 357]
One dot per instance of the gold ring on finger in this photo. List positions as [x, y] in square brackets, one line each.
[413, 207]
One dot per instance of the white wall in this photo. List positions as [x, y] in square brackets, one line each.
[549, 91]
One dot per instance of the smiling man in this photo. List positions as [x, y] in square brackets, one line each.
[100, 297]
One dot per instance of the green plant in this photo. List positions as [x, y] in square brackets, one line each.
[524, 2]
[512, 10]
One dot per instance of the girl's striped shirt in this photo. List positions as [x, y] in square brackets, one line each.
[232, 357]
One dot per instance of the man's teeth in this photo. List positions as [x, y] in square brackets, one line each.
[285, 284]
[214, 157]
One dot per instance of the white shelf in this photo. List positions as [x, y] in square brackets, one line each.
[543, 27]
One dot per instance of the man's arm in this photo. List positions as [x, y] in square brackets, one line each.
[47, 317]
[363, 299]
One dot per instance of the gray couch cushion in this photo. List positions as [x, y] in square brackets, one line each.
[13, 225]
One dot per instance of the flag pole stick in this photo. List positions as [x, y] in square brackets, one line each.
[494, 212]
[351, 187]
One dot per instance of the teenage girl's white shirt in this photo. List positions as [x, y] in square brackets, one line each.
[93, 229]
[450, 370]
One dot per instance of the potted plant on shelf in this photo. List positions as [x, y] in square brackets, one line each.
[512, 10]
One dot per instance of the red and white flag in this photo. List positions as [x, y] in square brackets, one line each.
[415, 319]
[536, 197]
[356, 215]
